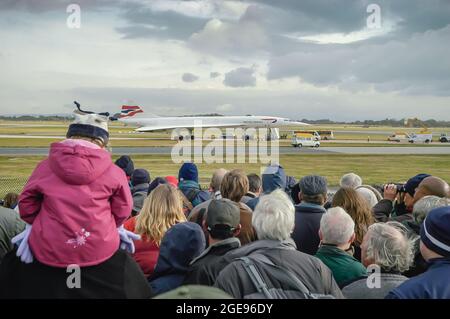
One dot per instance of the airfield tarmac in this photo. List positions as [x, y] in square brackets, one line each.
[437, 150]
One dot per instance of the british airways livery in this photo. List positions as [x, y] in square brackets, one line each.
[135, 116]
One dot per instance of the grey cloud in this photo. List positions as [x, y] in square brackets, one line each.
[145, 23]
[240, 77]
[189, 77]
[418, 65]
[247, 36]
[37, 6]
[212, 75]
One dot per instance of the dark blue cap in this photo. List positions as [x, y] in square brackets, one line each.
[435, 231]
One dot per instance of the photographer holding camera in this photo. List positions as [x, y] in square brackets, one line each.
[398, 200]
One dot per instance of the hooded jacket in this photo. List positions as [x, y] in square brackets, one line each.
[270, 182]
[180, 245]
[75, 201]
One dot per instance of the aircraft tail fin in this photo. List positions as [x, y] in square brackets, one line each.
[130, 111]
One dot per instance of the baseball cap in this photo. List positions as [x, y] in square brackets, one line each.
[222, 213]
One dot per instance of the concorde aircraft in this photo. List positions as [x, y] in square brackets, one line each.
[135, 116]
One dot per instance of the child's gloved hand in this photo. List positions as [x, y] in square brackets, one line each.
[126, 239]
[23, 250]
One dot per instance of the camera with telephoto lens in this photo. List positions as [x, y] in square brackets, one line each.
[399, 186]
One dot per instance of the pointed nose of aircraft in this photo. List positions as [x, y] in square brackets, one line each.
[295, 123]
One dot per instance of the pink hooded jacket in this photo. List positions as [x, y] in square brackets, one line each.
[75, 201]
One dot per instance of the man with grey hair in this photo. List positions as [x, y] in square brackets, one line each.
[216, 181]
[337, 233]
[312, 196]
[427, 204]
[420, 211]
[273, 220]
[386, 250]
[350, 180]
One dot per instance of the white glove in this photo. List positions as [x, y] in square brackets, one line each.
[126, 239]
[23, 250]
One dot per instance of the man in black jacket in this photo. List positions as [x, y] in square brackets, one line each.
[222, 225]
[273, 221]
[312, 196]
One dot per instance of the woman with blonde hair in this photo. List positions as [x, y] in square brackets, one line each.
[359, 210]
[162, 209]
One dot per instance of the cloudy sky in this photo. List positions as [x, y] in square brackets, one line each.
[300, 59]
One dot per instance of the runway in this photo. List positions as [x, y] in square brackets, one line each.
[436, 150]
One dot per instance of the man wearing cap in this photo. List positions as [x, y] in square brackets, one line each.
[140, 182]
[435, 249]
[312, 196]
[222, 225]
[397, 204]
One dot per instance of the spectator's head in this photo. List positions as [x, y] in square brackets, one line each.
[435, 234]
[350, 180]
[188, 172]
[368, 195]
[222, 219]
[295, 193]
[180, 245]
[234, 185]
[155, 183]
[254, 183]
[140, 176]
[126, 164]
[337, 228]
[274, 216]
[91, 127]
[11, 200]
[313, 189]
[217, 178]
[388, 246]
[410, 188]
[172, 180]
[273, 178]
[426, 204]
[162, 209]
[432, 185]
[357, 208]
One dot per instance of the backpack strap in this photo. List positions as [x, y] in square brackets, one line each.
[256, 277]
[299, 285]
[192, 194]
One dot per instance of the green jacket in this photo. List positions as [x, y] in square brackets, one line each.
[10, 226]
[344, 266]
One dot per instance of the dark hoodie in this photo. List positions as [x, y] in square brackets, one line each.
[273, 178]
[179, 246]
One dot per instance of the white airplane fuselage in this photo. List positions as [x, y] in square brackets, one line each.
[146, 124]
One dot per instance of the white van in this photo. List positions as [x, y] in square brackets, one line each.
[304, 141]
[421, 138]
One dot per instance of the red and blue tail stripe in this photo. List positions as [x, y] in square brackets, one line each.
[129, 111]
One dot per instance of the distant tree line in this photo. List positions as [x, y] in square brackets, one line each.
[36, 118]
[385, 122]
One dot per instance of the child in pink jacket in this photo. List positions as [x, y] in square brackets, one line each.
[76, 200]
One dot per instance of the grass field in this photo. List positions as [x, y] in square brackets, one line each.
[375, 169]
[145, 142]
[51, 129]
